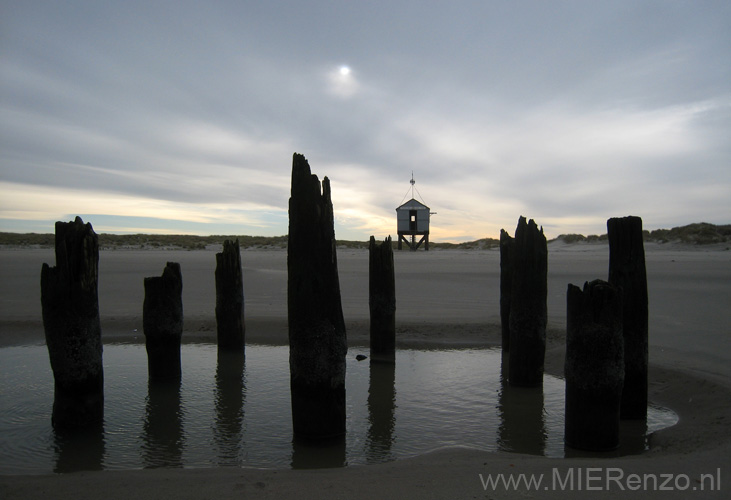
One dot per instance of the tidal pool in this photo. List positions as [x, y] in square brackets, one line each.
[235, 411]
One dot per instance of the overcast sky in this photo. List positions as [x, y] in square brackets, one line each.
[182, 117]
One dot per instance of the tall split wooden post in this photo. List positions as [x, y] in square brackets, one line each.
[627, 271]
[230, 326]
[506, 279]
[594, 367]
[528, 310]
[70, 308]
[162, 321]
[382, 300]
[317, 337]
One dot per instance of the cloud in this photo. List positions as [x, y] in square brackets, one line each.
[35, 203]
[566, 113]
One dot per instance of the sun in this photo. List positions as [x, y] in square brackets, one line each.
[342, 81]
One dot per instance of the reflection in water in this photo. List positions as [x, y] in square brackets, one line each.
[239, 413]
[318, 454]
[633, 436]
[381, 412]
[79, 449]
[632, 440]
[522, 426]
[163, 437]
[230, 395]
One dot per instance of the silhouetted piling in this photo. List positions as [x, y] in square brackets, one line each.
[230, 298]
[382, 300]
[594, 367]
[506, 278]
[317, 337]
[528, 312]
[70, 308]
[162, 321]
[627, 271]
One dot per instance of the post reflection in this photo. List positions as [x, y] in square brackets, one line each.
[633, 436]
[521, 412]
[633, 440]
[79, 449]
[163, 437]
[318, 453]
[381, 411]
[230, 396]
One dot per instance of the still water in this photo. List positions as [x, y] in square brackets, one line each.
[235, 411]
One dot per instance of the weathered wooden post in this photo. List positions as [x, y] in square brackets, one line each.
[528, 310]
[594, 367]
[627, 271]
[162, 321]
[382, 300]
[230, 298]
[317, 337]
[70, 305]
[506, 278]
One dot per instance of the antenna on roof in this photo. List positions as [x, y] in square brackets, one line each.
[413, 188]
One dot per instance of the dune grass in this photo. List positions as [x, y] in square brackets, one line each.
[700, 233]
[694, 234]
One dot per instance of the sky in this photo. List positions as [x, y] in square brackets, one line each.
[182, 117]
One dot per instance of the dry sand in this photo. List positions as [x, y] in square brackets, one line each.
[443, 298]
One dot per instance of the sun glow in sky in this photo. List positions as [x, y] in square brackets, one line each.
[149, 119]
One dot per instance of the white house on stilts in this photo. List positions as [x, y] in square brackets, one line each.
[412, 221]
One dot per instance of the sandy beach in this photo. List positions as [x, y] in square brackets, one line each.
[444, 298]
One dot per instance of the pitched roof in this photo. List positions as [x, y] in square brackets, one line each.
[413, 204]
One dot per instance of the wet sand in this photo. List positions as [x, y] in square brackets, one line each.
[444, 298]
